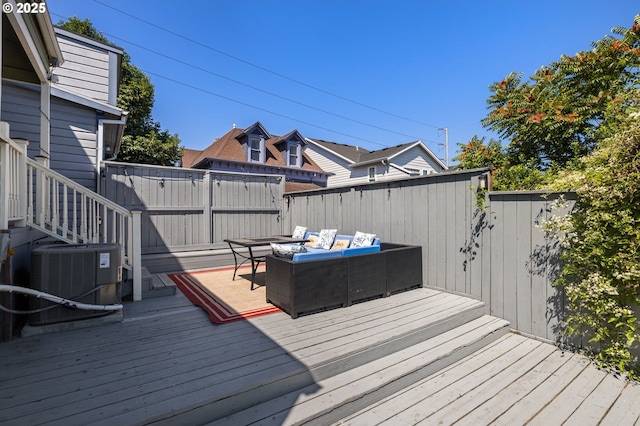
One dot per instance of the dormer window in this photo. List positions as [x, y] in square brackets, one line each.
[256, 149]
[294, 155]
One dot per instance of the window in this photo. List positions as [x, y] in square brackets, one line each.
[426, 172]
[294, 155]
[256, 147]
[372, 174]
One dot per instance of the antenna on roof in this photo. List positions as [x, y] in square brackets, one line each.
[446, 145]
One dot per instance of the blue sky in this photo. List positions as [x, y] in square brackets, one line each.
[372, 73]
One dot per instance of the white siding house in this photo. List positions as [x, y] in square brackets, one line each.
[351, 164]
[91, 68]
[65, 111]
[85, 126]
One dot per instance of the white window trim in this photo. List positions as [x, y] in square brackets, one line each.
[298, 153]
[260, 150]
[372, 178]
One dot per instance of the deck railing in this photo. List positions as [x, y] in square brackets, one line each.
[12, 180]
[31, 194]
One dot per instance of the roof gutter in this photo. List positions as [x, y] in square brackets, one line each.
[50, 39]
[383, 160]
[208, 161]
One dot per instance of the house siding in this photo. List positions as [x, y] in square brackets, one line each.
[414, 158]
[330, 163]
[74, 142]
[21, 109]
[73, 131]
[85, 70]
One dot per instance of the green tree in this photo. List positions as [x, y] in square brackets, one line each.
[506, 177]
[143, 141]
[475, 154]
[557, 115]
[601, 239]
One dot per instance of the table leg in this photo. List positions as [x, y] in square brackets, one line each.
[254, 266]
[235, 261]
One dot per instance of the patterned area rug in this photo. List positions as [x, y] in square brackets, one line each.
[224, 299]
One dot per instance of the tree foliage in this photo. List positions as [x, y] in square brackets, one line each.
[506, 177]
[475, 154]
[575, 125]
[143, 141]
[601, 239]
[556, 115]
[156, 147]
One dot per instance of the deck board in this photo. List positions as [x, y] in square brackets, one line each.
[397, 408]
[510, 395]
[553, 383]
[499, 392]
[626, 409]
[166, 356]
[512, 381]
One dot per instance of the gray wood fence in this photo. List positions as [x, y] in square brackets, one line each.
[497, 253]
[187, 209]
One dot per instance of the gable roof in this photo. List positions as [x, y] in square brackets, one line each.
[350, 153]
[226, 147]
[357, 156]
[189, 156]
[229, 147]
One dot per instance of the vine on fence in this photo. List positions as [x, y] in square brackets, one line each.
[601, 242]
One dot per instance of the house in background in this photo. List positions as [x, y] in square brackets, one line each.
[310, 163]
[352, 164]
[255, 150]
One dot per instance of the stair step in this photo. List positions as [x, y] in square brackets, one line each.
[316, 347]
[156, 285]
[336, 397]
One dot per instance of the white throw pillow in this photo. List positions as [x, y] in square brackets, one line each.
[325, 239]
[287, 250]
[361, 239]
[299, 232]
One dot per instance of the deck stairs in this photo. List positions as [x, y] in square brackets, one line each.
[380, 353]
[153, 285]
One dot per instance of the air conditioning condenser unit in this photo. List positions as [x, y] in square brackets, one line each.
[87, 273]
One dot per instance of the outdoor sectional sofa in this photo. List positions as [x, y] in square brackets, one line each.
[318, 280]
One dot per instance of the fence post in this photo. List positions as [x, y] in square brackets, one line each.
[208, 204]
[136, 255]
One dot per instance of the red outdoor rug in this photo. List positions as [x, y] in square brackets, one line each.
[224, 299]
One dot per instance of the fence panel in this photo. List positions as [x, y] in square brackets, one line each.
[497, 253]
[188, 209]
[525, 262]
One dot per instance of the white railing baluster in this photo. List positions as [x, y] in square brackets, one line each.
[65, 212]
[74, 230]
[55, 190]
[29, 192]
[32, 193]
[83, 219]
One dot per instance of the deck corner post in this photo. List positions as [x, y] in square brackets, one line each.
[136, 255]
[4, 178]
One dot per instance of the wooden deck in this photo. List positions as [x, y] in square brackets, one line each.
[417, 357]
